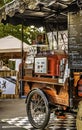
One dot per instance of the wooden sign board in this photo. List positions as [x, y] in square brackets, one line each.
[75, 40]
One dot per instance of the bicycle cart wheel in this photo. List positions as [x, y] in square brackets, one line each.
[38, 111]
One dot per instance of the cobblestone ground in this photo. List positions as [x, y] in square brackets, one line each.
[13, 117]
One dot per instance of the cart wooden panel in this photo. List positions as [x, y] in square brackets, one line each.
[57, 92]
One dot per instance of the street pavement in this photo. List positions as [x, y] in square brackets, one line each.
[6, 126]
[13, 117]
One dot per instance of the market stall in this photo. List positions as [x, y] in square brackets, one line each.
[10, 48]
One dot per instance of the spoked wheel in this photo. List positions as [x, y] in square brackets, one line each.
[38, 109]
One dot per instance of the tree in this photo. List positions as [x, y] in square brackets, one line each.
[3, 2]
[30, 33]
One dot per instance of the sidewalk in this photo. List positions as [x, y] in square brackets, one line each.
[10, 108]
[6, 126]
[13, 117]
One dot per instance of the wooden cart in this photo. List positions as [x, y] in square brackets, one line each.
[44, 95]
[44, 90]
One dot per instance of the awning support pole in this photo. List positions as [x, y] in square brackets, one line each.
[22, 55]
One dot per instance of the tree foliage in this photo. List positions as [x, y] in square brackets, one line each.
[29, 33]
[3, 2]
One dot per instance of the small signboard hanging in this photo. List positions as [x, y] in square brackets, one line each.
[7, 87]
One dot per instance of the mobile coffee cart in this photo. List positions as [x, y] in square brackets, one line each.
[49, 87]
[47, 91]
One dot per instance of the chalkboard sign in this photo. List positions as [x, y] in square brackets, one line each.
[75, 40]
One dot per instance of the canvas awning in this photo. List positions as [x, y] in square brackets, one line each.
[38, 12]
[10, 47]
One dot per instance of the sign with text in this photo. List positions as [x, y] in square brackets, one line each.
[75, 40]
[7, 87]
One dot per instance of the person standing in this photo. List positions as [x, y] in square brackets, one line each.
[39, 42]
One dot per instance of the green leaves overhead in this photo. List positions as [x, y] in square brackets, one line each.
[3, 2]
[29, 33]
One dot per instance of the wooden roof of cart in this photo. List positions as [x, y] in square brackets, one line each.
[39, 12]
[52, 14]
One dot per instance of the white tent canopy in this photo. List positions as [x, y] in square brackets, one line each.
[11, 44]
